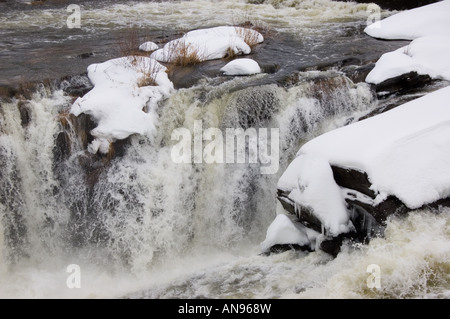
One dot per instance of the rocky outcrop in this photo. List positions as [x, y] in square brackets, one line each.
[368, 217]
[402, 84]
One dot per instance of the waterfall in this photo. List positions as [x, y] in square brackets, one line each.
[137, 208]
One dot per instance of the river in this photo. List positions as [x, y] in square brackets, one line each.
[142, 226]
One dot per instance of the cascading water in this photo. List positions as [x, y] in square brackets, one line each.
[141, 225]
[142, 209]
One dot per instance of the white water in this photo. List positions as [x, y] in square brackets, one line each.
[156, 229]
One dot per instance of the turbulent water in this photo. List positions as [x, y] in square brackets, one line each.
[143, 226]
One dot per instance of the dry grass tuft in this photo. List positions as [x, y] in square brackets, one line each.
[185, 54]
[149, 69]
[128, 46]
[129, 42]
[249, 36]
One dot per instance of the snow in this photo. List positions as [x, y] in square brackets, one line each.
[241, 67]
[426, 55]
[310, 180]
[148, 46]
[429, 28]
[283, 231]
[433, 19]
[209, 44]
[404, 152]
[118, 104]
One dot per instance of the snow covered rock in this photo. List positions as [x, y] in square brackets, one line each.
[432, 19]
[210, 44]
[394, 162]
[148, 46]
[284, 232]
[124, 99]
[427, 54]
[241, 67]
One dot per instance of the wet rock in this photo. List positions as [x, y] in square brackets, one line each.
[7, 92]
[368, 217]
[358, 73]
[25, 113]
[277, 249]
[402, 84]
[353, 179]
[62, 148]
[85, 55]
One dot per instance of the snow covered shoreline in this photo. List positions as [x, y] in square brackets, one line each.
[429, 28]
[404, 151]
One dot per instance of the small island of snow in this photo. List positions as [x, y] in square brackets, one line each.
[241, 67]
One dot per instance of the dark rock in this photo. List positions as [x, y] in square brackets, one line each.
[368, 218]
[61, 150]
[333, 245]
[25, 113]
[76, 86]
[358, 73]
[398, 4]
[277, 249]
[402, 84]
[7, 92]
[353, 179]
[303, 214]
[85, 55]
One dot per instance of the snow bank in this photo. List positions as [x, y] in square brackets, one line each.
[209, 44]
[433, 19]
[241, 67]
[119, 103]
[405, 153]
[148, 46]
[283, 231]
[310, 180]
[426, 55]
[429, 27]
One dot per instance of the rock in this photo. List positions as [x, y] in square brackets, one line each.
[368, 218]
[25, 113]
[402, 84]
[85, 55]
[353, 179]
[277, 249]
[61, 150]
[7, 92]
[358, 73]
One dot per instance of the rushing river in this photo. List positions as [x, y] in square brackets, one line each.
[142, 226]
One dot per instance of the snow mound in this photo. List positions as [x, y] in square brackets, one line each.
[241, 67]
[429, 27]
[433, 19]
[310, 180]
[148, 46]
[210, 44]
[404, 152]
[119, 102]
[426, 55]
[283, 231]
